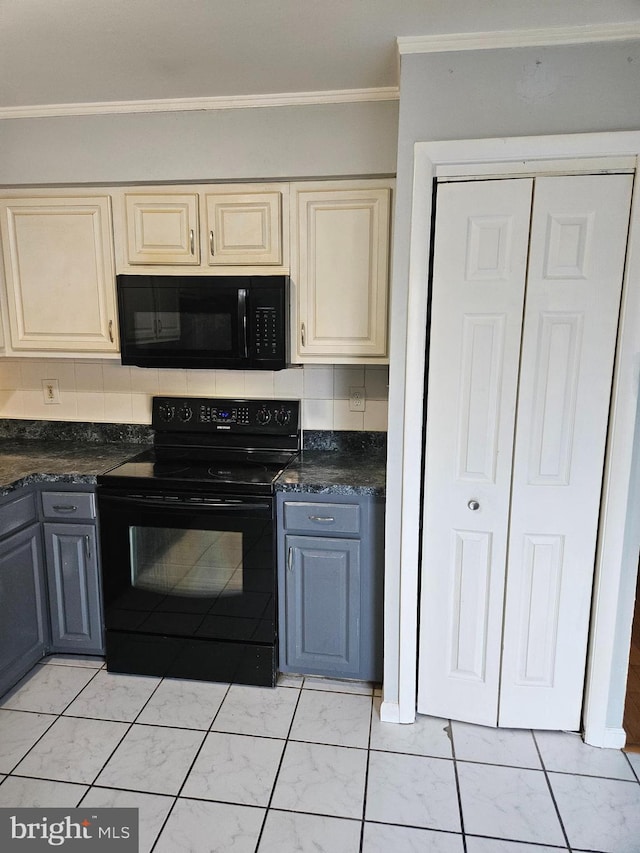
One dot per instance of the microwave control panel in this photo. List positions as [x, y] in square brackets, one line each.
[265, 332]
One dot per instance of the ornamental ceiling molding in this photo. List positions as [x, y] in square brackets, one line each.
[542, 37]
[234, 102]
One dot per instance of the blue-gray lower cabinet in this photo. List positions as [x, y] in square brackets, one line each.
[71, 551]
[330, 565]
[72, 578]
[24, 627]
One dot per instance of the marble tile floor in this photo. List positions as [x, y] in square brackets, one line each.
[305, 767]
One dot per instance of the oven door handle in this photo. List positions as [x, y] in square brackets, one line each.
[191, 505]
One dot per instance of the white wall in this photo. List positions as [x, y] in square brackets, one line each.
[258, 143]
[103, 391]
[470, 95]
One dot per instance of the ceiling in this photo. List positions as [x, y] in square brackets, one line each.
[55, 52]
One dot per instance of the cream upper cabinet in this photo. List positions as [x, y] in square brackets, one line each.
[162, 229]
[58, 262]
[340, 269]
[202, 228]
[244, 228]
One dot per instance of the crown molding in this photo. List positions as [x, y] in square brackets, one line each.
[169, 105]
[518, 38]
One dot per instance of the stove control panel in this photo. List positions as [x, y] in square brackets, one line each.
[213, 414]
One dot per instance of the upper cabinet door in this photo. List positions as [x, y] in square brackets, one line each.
[58, 257]
[244, 228]
[162, 229]
[341, 271]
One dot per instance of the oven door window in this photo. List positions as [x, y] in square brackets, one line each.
[192, 563]
[180, 573]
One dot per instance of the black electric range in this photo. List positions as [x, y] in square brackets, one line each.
[188, 541]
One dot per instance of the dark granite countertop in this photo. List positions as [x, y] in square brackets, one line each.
[26, 462]
[335, 472]
[340, 463]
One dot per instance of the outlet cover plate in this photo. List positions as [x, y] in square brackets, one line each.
[50, 392]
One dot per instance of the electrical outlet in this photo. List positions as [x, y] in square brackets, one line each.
[357, 400]
[50, 392]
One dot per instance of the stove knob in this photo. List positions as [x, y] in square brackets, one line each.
[283, 417]
[166, 411]
[263, 416]
[185, 414]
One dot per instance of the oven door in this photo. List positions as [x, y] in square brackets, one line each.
[189, 585]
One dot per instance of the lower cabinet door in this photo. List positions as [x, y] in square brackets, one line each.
[322, 596]
[74, 597]
[23, 621]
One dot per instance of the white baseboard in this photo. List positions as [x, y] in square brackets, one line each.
[609, 738]
[390, 712]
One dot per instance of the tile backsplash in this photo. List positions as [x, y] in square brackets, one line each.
[105, 391]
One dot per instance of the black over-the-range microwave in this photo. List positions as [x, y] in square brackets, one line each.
[232, 322]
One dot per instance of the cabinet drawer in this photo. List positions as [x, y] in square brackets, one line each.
[16, 514]
[322, 517]
[69, 505]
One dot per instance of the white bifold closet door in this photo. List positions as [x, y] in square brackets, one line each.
[526, 286]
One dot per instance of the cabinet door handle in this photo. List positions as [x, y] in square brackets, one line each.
[323, 519]
[303, 336]
[111, 330]
[290, 559]
[64, 507]
[192, 241]
[211, 243]
[87, 546]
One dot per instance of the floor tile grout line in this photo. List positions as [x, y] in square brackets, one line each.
[543, 769]
[635, 772]
[58, 713]
[22, 758]
[58, 716]
[535, 845]
[276, 777]
[553, 796]
[366, 774]
[457, 778]
[176, 797]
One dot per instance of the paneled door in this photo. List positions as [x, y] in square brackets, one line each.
[526, 287]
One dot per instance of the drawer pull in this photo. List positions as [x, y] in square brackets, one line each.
[323, 519]
[65, 508]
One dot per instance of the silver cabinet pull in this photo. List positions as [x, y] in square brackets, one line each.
[290, 559]
[192, 241]
[473, 505]
[111, 330]
[323, 519]
[87, 546]
[65, 508]
[303, 336]
[211, 243]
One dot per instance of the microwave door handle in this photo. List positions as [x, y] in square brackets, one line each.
[242, 320]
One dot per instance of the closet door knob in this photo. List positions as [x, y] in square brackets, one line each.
[473, 505]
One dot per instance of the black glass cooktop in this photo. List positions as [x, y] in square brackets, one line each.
[240, 471]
